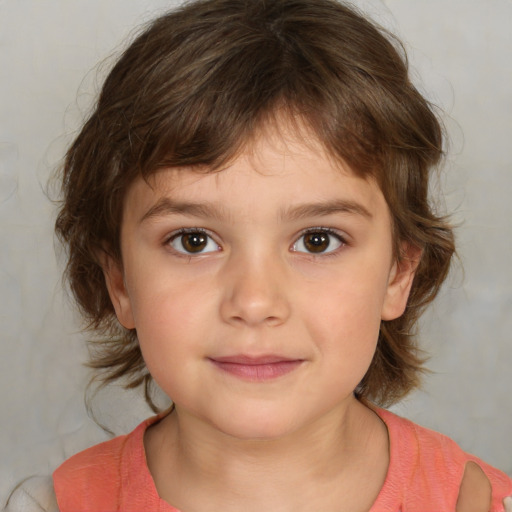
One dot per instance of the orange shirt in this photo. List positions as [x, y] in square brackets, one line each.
[424, 474]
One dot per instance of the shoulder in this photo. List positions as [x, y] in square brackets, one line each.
[35, 494]
[97, 478]
[91, 478]
[98, 459]
[436, 466]
[418, 448]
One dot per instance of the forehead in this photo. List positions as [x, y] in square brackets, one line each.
[275, 172]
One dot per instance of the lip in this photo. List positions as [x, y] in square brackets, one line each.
[256, 368]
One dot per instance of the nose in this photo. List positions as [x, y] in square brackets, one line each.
[255, 292]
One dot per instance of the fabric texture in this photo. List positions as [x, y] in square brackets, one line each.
[424, 474]
[35, 494]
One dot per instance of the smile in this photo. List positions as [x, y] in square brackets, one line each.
[256, 369]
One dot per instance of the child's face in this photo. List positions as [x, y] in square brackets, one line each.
[257, 292]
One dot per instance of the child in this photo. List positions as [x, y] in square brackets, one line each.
[247, 221]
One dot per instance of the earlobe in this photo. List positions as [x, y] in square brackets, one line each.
[400, 282]
[114, 279]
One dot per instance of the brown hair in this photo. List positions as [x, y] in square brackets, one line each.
[192, 89]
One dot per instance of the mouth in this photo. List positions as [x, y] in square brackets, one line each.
[256, 369]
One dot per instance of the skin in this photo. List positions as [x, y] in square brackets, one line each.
[475, 491]
[256, 289]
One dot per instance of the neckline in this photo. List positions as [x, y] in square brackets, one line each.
[390, 496]
[137, 473]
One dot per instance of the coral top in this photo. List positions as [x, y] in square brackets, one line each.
[424, 475]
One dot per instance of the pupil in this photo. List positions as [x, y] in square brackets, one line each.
[194, 242]
[316, 242]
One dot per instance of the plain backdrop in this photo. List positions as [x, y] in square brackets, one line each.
[460, 53]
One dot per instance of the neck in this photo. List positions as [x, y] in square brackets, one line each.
[336, 454]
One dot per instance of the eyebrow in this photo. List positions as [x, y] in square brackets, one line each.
[326, 208]
[166, 206]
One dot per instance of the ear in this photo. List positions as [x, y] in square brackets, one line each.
[400, 281]
[114, 279]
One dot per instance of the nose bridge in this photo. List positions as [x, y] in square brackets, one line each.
[255, 289]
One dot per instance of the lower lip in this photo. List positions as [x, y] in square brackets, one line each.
[258, 372]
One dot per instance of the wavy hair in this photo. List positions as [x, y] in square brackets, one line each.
[195, 85]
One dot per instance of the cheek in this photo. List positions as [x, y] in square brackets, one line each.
[169, 347]
[349, 302]
[344, 320]
[171, 319]
[168, 301]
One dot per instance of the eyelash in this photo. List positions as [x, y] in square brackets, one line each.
[328, 231]
[313, 230]
[184, 231]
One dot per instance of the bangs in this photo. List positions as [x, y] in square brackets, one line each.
[193, 96]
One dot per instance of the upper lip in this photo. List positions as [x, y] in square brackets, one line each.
[253, 360]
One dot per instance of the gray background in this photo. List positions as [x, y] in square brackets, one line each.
[460, 53]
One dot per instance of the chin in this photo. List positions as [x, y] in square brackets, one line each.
[257, 425]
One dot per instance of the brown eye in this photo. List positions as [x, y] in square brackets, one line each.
[195, 242]
[318, 242]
